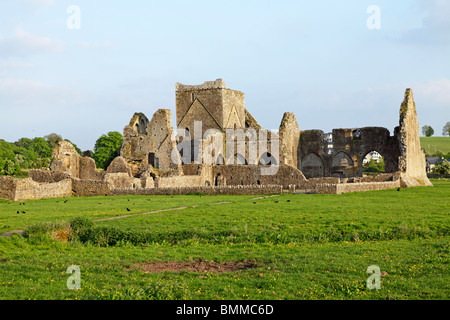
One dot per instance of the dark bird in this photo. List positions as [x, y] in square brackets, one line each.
[254, 202]
[128, 209]
[288, 200]
[23, 212]
[18, 212]
[398, 189]
[65, 201]
[276, 201]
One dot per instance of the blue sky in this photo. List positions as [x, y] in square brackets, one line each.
[317, 59]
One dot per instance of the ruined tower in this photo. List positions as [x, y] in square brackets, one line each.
[412, 158]
[211, 103]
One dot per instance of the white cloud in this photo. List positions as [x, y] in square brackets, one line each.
[13, 64]
[30, 95]
[435, 92]
[435, 25]
[23, 43]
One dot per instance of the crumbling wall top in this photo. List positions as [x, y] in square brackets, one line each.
[217, 84]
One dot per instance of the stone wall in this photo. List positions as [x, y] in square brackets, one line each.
[7, 187]
[312, 154]
[252, 175]
[45, 175]
[382, 177]
[355, 187]
[177, 181]
[88, 169]
[121, 180]
[153, 145]
[350, 147]
[233, 190]
[66, 159]
[27, 189]
[86, 188]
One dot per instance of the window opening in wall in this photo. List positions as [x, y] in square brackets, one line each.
[329, 138]
[356, 134]
[373, 163]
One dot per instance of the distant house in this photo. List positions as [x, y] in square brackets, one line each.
[329, 138]
[431, 163]
[372, 155]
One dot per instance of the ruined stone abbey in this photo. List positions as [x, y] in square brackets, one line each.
[219, 148]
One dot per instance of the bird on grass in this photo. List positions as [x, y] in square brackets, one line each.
[128, 209]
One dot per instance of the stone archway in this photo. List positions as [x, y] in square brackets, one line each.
[372, 163]
[342, 165]
[312, 166]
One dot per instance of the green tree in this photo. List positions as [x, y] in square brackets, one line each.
[106, 148]
[442, 167]
[41, 147]
[53, 139]
[427, 131]
[446, 129]
[41, 163]
[6, 150]
[2, 165]
[23, 143]
[11, 168]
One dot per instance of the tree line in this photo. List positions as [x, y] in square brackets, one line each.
[428, 131]
[18, 157]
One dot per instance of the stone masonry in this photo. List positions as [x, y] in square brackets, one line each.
[219, 148]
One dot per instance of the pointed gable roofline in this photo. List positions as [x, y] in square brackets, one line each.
[206, 109]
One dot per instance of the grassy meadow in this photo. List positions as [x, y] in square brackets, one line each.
[299, 247]
[433, 144]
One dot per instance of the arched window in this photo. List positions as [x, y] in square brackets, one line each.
[312, 166]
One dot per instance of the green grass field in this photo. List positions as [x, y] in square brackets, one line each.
[433, 144]
[300, 246]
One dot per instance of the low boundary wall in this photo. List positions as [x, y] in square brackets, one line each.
[214, 190]
[326, 188]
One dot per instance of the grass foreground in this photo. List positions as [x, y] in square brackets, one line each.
[301, 247]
